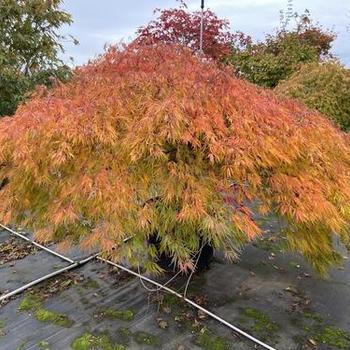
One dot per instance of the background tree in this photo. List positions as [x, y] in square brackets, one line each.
[324, 87]
[180, 26]
[154, 141]
[29, 48]
[281, 54]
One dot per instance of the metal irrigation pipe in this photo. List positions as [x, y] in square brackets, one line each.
[201, 34]
[37, 244]
[189, 301]
[73, 263]
[50, 275]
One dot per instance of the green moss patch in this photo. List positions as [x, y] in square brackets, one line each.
[2, 326]
[169, 300]
[208, 340]
[90, 283]
[43, 315]
[313, 316]
[261, 323]
[334, 337]
[125, 315]
[30, 302]
[21, 347]
[44, 345]
[323, 333]
[88, 341]
[144, 338]
[124, 335]
[320, 332]
[33, 303]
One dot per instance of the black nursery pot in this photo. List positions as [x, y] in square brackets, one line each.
[205, 257]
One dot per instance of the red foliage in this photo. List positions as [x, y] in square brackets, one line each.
[314, 35]
[320, 40]
[179, 26]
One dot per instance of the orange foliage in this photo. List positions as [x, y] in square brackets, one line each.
[154, 140]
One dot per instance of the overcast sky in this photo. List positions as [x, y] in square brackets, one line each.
[109, 21]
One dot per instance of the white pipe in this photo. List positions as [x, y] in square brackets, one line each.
[209, 313]
[37, 244]
[50, 275]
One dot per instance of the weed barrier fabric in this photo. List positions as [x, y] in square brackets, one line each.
[271, 295]
[33, 302]
[18, 272]
[98, 307]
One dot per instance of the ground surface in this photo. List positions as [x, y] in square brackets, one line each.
[272, 295]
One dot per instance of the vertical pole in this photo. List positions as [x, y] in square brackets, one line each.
[202, 28]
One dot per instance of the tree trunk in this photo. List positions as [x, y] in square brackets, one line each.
[165, 261]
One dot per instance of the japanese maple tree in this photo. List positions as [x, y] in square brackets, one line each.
[324, 87]
[281, 53]
[154, 141]
[181, 26]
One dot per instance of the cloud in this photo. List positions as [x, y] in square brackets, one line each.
[106, 21]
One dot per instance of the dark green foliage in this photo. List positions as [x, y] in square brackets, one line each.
[29, 48]
[268, 62]
[324, 87]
